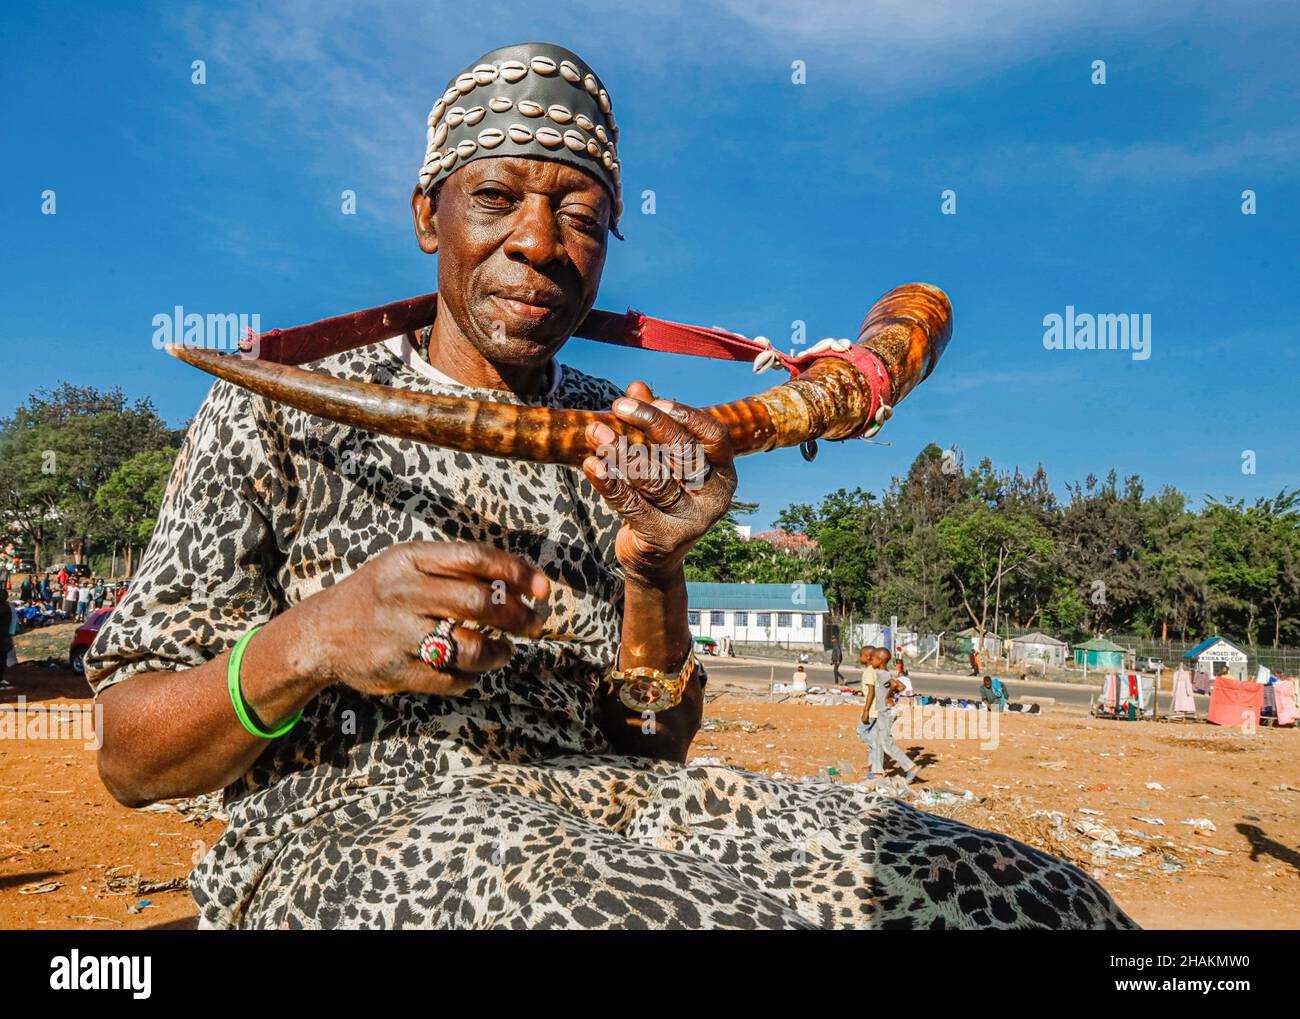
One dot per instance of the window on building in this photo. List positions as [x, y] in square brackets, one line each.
[716, 617]
[783, 618]
[692, 619]
[742, 618]
[809, 621]
[765, 619]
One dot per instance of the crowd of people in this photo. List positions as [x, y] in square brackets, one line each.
[62, 597]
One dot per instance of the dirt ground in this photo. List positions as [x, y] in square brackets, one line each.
[70, 857]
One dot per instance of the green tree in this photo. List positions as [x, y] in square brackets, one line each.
[131, 497]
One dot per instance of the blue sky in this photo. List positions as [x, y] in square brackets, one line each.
[774, 202]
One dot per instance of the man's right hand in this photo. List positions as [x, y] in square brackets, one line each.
[365, 631]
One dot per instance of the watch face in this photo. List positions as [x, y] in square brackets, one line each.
[647, 695]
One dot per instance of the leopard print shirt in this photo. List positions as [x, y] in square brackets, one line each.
[503, 807]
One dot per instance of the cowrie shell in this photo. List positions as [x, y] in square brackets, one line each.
[592, 148]
[603, 99]
[439, 135]
[570, 71]
[584, 122]
[455, 116]
[449, 160]
[520, 134]
[543, 65]
[559, 114]
[575, 141]
[465, 84]
[549, 137]
[531, 109]
[512, 70]
[466, 148]
[607, 158]
[451, 95]
[484, 74]
[499, 104]
[600, 133]
[425, 177]
[474, 115]
[590, 84]
[491, 137]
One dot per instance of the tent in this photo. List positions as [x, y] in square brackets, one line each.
[1099, 653]
[1037, 648]
[1212, 656]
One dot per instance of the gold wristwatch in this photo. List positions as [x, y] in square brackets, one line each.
[646, 689]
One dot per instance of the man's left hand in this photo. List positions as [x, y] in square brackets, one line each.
[669, 493]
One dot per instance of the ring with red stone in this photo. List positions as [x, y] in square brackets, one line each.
[438, 648]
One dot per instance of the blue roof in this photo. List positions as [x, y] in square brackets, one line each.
[763, 597]
[1207, 644]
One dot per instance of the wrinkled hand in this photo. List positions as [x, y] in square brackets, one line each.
[666, 502]
[365, 631]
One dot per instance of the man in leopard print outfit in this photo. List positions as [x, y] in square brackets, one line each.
[516, 790]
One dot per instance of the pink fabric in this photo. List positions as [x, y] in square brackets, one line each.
[1285, 696]
[1234, 703]
[1108, 692]
[1184, 702]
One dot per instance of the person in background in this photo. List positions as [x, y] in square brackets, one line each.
[70, 596]
[83, 600]
[905, 682]
[63, 578]
[98, 594]
[26, 590]
[799, 681]
[837, 659]
[8, 623]
[993, 694]
[875, 728]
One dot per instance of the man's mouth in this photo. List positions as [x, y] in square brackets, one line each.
[532, 306]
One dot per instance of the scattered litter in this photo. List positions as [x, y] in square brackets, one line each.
[1086, 810]
[1200, 823]
[1149, 820]
[1053, 765]
[1155, 785]
[40, 887]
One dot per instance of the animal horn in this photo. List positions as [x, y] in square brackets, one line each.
[903, 335]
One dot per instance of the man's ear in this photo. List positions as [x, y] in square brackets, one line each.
[424, 214]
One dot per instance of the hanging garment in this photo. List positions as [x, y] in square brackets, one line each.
[1109, 698]
[1146, 687]
[1287, 710]
[1184, 701]
[1202, 682]
[1235, 703]
[1263, 675]
[1269, 709]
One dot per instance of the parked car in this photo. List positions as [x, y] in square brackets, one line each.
[84, 637]
[1152, 665]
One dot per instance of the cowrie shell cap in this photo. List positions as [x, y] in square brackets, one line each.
[535, 100]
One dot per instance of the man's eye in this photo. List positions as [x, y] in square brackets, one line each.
[493, 197]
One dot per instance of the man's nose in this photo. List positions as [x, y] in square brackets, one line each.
[535, 234]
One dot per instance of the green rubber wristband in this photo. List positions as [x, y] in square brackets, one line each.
[237, 696]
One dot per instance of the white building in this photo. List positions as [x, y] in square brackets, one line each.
[787, 614]
[1217, 655]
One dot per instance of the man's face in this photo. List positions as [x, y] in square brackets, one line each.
[521, 246]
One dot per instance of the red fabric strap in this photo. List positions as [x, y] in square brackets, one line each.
[330, 336]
